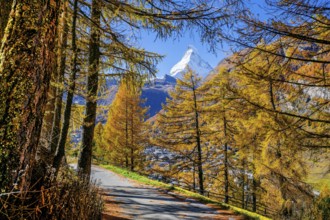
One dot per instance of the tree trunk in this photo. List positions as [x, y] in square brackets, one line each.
[132, 159]
[254, 185]
[60, 152]
[132, 138]
[194, 177]
[126, 129]
[85, 158]
[243, 183]
[198, 141]
[56, 126]
[226, 177]
[25, 68]
[271, 94]
[254, 194]
[5, 7]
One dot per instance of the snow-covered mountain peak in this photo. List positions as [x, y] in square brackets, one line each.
[192, 60]
[192, 48]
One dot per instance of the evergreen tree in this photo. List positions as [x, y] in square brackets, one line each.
[59, 75]
[100, 152]
[125, 130]
[296, 36]
[60, 146]
[220, 116]
[268, 129]
[85, 157]
[180, 127]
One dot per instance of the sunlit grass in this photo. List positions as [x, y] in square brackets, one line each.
[319, 175]
[178, 190]
[319, 181]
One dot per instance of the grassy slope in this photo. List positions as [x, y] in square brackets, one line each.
[319, 176]
[319, 181]
[145, 180]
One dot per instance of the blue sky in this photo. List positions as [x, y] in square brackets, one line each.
[174, 49]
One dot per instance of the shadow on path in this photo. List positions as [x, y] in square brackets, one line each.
[129, 200]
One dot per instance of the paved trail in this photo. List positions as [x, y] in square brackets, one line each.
[135, 201]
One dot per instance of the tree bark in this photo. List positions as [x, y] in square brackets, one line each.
[226, 173]
[198, 141]
[194, 177]
[5, 7]
[25, 71]
[132, 159]
[60, 152]
[132, 137]
[254, 194]
[126, 160]
[85, 158]
[243, 183]
[126, 128]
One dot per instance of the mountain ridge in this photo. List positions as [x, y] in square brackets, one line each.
[156, 90]
[191, 60]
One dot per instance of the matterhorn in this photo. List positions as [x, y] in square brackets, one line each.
[191, 60]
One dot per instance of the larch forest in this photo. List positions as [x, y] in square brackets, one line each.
[253, 134]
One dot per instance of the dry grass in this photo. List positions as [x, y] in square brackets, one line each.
[67, 198]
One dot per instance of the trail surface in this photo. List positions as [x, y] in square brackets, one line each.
[126, 199]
